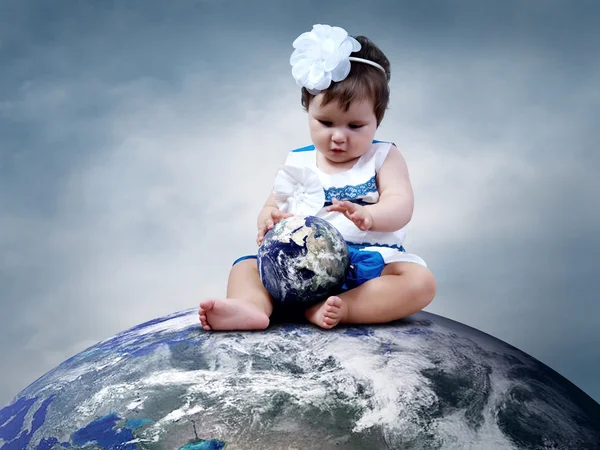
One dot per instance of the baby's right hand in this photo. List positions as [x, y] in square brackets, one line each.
[268, 217]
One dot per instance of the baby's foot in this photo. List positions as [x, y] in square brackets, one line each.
[327, 314]
[231, 314]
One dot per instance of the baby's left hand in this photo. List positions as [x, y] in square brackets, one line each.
[358, 214]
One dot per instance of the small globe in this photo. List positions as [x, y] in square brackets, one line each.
[303, 260]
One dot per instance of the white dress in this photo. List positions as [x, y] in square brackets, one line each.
[302, 188]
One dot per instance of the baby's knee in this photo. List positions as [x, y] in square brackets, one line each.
[423, 285]
[419, 281]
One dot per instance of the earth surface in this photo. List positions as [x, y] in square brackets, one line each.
[424, 382]
[303, 259]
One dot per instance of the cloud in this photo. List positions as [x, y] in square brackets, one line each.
[138, 145]
[501, 162]
[150, 219]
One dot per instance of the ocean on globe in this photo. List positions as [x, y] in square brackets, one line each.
[303, 260]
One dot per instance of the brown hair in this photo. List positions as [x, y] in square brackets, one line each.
[363, 82]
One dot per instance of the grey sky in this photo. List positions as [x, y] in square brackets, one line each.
[138, 140]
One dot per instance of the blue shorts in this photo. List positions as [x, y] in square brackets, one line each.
[364, 265]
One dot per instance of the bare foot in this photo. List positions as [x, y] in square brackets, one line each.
[327, 314]
[231, 314]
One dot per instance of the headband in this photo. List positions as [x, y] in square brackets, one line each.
[322, 55]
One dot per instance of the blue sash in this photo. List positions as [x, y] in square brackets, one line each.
[364, 266]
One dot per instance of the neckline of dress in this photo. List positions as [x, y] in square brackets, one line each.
[336, 173]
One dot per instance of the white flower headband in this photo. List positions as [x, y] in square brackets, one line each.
[322, 56]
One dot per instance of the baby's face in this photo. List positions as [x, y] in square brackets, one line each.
[339, 135]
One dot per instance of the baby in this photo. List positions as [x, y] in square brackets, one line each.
[367, 191]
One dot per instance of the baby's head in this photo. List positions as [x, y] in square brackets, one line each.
[364, 82]
[341, 68]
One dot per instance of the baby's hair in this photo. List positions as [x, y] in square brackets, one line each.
[363, 82]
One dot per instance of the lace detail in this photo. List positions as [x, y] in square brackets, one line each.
[351, 192]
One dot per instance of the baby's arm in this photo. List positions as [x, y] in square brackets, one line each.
[395, 206]
[396, 200]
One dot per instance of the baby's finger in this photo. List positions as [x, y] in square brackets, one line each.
[367, 223]
[337, 207]
[335, 203]
[351, 207]
[261, 233]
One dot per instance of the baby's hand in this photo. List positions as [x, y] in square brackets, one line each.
[267, 219]
[358, 214]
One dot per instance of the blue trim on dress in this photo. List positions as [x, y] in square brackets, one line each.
[349, 192]
[366, 244]
[311, 147]
[354, 200]
[243, 258]
[304, 149]
[364, 266]
[350, 244]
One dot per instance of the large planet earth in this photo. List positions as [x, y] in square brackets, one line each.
[424, 382]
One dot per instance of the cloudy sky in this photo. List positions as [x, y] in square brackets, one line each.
[139, 139]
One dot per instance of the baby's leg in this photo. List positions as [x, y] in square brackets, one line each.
[402, 289]
[248, 305]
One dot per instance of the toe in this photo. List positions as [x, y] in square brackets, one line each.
[204, 321]
[336, 302]
[207, 305]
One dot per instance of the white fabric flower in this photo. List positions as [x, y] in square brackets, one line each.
[298, 190]
[321, 56]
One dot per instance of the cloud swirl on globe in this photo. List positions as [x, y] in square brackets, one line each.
[424, 382]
